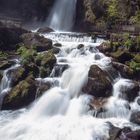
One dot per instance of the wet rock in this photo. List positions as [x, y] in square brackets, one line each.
[45, 30]
[130, 92]
[21, 95]
[114, 132]
[97, 57]
[80, 46]
[40, 43]
[135, 117]
[17, 75]
[97, 104]
[1, 75]
[42, 87]
[46, 62]
[6, 64]
[122, 56]
[58, 70]
[112, 72]
[10, 37]
[128, 134]
[124, 70]
[58, 44]
[138, 101]
[99, 84]
[105, 47]
[55, 50]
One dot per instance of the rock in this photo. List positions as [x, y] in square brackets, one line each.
[58, 44]
[135, 117]
[128, 134]
[97, 104]
[130, 92]
[21, 95]
[124, 70]
[42, 87]
[112, 72]
[17, 75]
[1, 76]
[46, 62]
[105, 47]
[48, 59]
[99, 84]
[137, 58]
[6, 64]
[122, 56]
[59, 69]
[80, 46]
[55, 50]
[138, 101]
[40, 43]
[114, 132]
[10, 37]
[45, 30]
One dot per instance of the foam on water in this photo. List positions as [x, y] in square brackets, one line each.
[63, 112]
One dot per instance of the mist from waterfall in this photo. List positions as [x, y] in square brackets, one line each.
[62, 16]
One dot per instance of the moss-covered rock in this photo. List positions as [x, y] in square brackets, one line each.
[137, 58]
[40, 43]
[21, 95]
[48, 59]
[99, 84]
[122, 56]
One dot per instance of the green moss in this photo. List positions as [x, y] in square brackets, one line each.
[133, 65]
[137, 58]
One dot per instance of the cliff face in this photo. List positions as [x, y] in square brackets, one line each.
[28, 10]
[102, 14]
[106, 13]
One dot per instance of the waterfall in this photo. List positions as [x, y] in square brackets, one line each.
[5, 82]
[62, 15]
[63, 112]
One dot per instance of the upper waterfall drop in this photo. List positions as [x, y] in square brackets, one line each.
[62, 15]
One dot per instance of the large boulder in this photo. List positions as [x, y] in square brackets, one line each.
[99, 84]
[21, 95]
[10, 37]
[40, 43]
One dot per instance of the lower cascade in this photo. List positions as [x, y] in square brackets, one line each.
[66, 111]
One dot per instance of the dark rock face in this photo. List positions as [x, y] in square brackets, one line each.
[123, 134]
[34, 39]
[21, 95]
[135, 117]
[131, 92]
[98, 85]
[10, 37]
[33, 10]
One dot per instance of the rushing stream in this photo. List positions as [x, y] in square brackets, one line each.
[63, 113]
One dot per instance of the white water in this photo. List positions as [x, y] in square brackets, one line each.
[5, 82]
[62, 15]
[62, 113]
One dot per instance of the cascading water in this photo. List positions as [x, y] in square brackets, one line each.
[5, 82]
[63, 112]
[62, 15]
